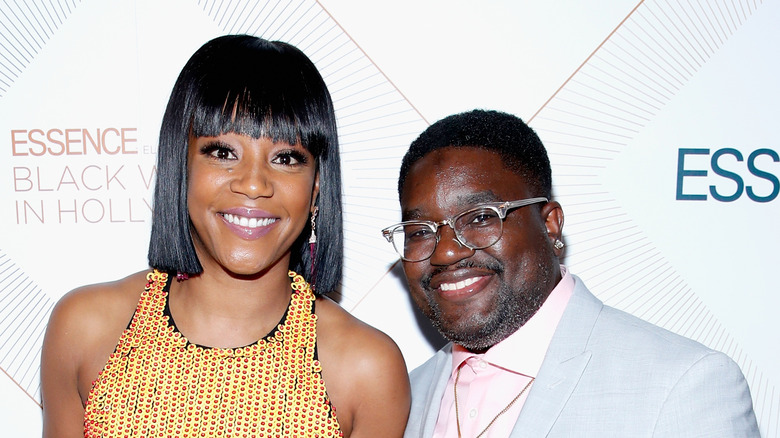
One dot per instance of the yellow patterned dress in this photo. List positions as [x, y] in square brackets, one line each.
[157, 384]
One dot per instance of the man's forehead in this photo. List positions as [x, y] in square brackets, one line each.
[456, 178]
[456, 162]
[444, 152]
[456, 202]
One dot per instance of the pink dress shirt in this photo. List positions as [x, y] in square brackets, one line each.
[488, 382]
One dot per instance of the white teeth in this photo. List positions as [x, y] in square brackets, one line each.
[248, 222]
[459, 285]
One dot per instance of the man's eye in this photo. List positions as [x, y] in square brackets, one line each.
[479, 218]
[418, 233]
[484, 217]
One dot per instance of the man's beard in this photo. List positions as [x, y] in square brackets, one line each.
[511, 310]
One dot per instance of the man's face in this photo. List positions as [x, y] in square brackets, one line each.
[488, 293]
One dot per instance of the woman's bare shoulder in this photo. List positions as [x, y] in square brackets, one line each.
[89, 314]
[102, 300]
[346, 332]
[364, 372]
[83, 330]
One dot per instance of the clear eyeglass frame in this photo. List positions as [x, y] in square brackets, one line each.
[416, 240]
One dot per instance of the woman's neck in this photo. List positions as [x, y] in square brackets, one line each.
[220, 309]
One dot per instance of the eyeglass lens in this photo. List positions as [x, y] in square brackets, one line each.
[478, 228]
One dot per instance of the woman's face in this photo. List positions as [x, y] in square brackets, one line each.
[248, 200]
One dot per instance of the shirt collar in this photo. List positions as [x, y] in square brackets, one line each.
[531, 340]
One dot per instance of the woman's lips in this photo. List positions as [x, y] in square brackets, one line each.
[251, 222]
[248, 224]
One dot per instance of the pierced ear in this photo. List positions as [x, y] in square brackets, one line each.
[315, 192]
[552, 213]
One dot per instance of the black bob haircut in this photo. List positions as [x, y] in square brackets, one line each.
[518, 145]
[246, 85]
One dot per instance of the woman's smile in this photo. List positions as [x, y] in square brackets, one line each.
[248, 223]
[244, 192]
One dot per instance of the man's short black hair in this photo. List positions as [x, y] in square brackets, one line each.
[519, 146]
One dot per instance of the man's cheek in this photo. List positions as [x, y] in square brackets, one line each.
[413, 276]
[420, 299]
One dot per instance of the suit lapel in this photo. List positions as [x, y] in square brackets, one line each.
[436, 380]
[563, 365]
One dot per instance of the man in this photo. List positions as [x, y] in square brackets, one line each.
[533, 353]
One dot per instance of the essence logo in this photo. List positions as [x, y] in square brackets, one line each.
[729, 166]
[80, 176]
[37, 142]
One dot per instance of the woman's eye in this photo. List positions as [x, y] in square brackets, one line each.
[289, 158]
[219, 151]
[223, 154]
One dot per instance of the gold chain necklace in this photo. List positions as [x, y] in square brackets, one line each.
[503, 411]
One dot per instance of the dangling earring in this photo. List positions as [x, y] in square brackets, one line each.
[313, 238]
[313, 220]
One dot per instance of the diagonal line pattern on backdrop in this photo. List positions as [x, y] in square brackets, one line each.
[24, 31]
[24, 309]
[588, 121]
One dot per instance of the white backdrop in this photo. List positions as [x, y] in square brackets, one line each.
[658, 116]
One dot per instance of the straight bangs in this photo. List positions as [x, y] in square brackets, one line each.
[269, 105]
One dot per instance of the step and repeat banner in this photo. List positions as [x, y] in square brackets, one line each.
[659, 118]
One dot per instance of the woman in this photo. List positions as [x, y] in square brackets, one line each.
[248, 174]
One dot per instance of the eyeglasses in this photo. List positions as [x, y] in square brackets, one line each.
[475, 228]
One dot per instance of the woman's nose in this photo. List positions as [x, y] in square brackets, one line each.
[252, 181]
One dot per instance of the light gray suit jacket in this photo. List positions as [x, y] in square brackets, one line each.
[609, 374]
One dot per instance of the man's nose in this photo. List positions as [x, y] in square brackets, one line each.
[449, 249]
